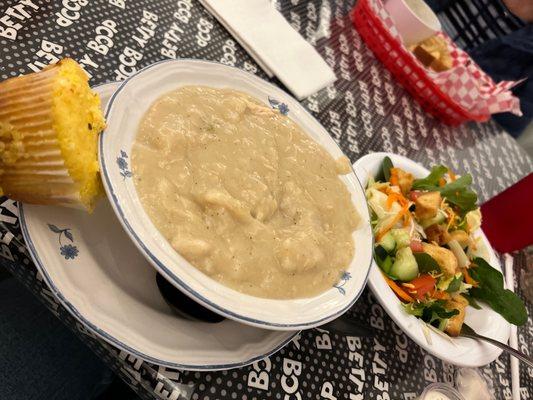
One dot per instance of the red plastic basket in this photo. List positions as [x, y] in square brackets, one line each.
[411, 75]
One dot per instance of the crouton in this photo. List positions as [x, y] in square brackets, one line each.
[437, 233]
[455, 323]
[405, 180]
[427, 205]
[461, 236]
[444, 257]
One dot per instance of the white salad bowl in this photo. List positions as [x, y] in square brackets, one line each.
[460, 350]
[123, 115]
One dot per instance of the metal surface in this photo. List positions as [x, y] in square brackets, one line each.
[468, 332]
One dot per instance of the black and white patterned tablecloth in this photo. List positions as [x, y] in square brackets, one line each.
[365, 111]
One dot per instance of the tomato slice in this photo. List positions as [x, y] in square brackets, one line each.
[416, 246]
[413, 195]
[419, 286]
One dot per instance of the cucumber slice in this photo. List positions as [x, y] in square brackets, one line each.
[405, 267]
[388, 242]
[383, 259]
[401, 237]
[387, 264]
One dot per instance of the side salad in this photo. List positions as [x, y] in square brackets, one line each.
[426, 249]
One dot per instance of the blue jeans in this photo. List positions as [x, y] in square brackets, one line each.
[39, 357]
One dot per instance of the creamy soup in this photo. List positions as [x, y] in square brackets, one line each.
[242, 193]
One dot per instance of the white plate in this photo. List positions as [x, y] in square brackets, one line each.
[107, 284]
[459, 351]
[123, 114]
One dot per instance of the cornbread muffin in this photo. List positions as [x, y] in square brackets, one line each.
[49, 126]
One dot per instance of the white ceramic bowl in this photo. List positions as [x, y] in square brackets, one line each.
[414, 19]
[123, 115]
[92, 267]
[459, 351]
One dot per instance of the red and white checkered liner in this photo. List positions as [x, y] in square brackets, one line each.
[465, 83]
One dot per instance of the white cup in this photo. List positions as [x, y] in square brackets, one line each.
[414, 19]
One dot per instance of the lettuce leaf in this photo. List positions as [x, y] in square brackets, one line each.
[457, 193]
[460, 194]
[471, 301]
[383, 174]
[455, 284]
[432, 312]
[490, 290]
[426, 263]
[432, 180]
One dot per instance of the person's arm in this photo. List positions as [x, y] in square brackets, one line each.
[523, 9]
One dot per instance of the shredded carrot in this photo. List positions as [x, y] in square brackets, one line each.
[452, 176]
[440, 295]
[394, 180]
[451, 219]
[393, 197]
[442, 182]
[469, 279]
[406, 219]
[391, 224]
[398, 290]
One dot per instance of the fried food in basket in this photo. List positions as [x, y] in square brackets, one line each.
[433, 53]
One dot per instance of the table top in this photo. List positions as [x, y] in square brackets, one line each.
[365, 111]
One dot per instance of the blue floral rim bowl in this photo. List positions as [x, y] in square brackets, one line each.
[110, 288]
[123, 114]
